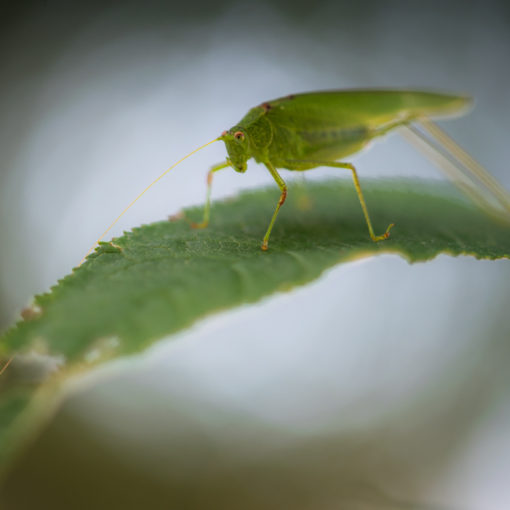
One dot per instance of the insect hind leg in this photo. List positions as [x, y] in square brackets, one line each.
[357, 185]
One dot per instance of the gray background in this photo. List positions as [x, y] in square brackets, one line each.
[381, 375]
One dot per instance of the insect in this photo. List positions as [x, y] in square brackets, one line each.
[304, 131]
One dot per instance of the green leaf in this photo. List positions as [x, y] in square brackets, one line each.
[162, 277]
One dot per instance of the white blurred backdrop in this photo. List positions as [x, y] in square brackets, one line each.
[97, 101]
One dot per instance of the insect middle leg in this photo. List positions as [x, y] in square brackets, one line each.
[283, 196]
[207, 207]
[357, 185]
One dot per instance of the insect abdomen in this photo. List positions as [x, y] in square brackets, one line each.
[344, 135]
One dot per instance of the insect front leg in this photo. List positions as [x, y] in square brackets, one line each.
[207, 207]
[7, 363]
[283, 196]
[357, 185]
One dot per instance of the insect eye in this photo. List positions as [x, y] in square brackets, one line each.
[239, 135]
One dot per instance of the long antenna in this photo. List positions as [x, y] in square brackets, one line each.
[143, 193]
[469, 163]
[470, 177]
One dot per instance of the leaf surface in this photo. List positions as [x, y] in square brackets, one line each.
[160, 278]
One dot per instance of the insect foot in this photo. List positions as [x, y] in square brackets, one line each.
[385, 235]
[202, 224]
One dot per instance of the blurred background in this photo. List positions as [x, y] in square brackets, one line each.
[382, 385]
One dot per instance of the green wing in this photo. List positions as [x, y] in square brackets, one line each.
[326, 126]
[369, 109]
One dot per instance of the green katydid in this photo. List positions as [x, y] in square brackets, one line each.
[310, 130]
[305, 131]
